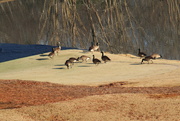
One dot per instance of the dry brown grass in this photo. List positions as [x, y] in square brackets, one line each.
[42, 101]
[161, 96]
[19, 93]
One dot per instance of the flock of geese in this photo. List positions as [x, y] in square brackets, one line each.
[95, 47]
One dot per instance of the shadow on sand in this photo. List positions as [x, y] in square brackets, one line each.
[84, 66]
[135, 64]
[43, 55]
[40, 59]
[59, 68]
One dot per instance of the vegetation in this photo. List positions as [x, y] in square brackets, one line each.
[120, 26]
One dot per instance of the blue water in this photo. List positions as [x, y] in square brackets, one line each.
[15, 51]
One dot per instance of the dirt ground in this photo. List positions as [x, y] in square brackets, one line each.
[18, 93]
[25, 97]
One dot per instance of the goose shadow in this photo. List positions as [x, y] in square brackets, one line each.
[59, 68]
[84, 66]
[135, 64]
[60, 65]
[43, 55]
[40, 59]
[90, 63]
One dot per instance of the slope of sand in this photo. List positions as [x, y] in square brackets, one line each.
[107, 107]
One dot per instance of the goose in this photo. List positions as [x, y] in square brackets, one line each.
[91, 47]
[72, 60]
[96, 61]
[94, 47]
[105, 58]
[147, 58]
[155, 56]
[57, 49]
[51, 54]
[84, 58]
[141, 54]
[68, 63]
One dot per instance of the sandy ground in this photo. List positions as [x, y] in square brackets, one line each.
[121, 68]
[141, 92]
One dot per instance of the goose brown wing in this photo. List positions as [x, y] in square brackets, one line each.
[104, 58]
[95, 61]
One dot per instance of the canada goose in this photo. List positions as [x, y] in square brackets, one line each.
[105, 58]
[147, 58]
[51, 54]
[155, 56]
[141, 54]
[94, 47]
[57, 49]
[72, 60]
[96, 61]
[68, 63]
[84, 58]
[92, 44]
